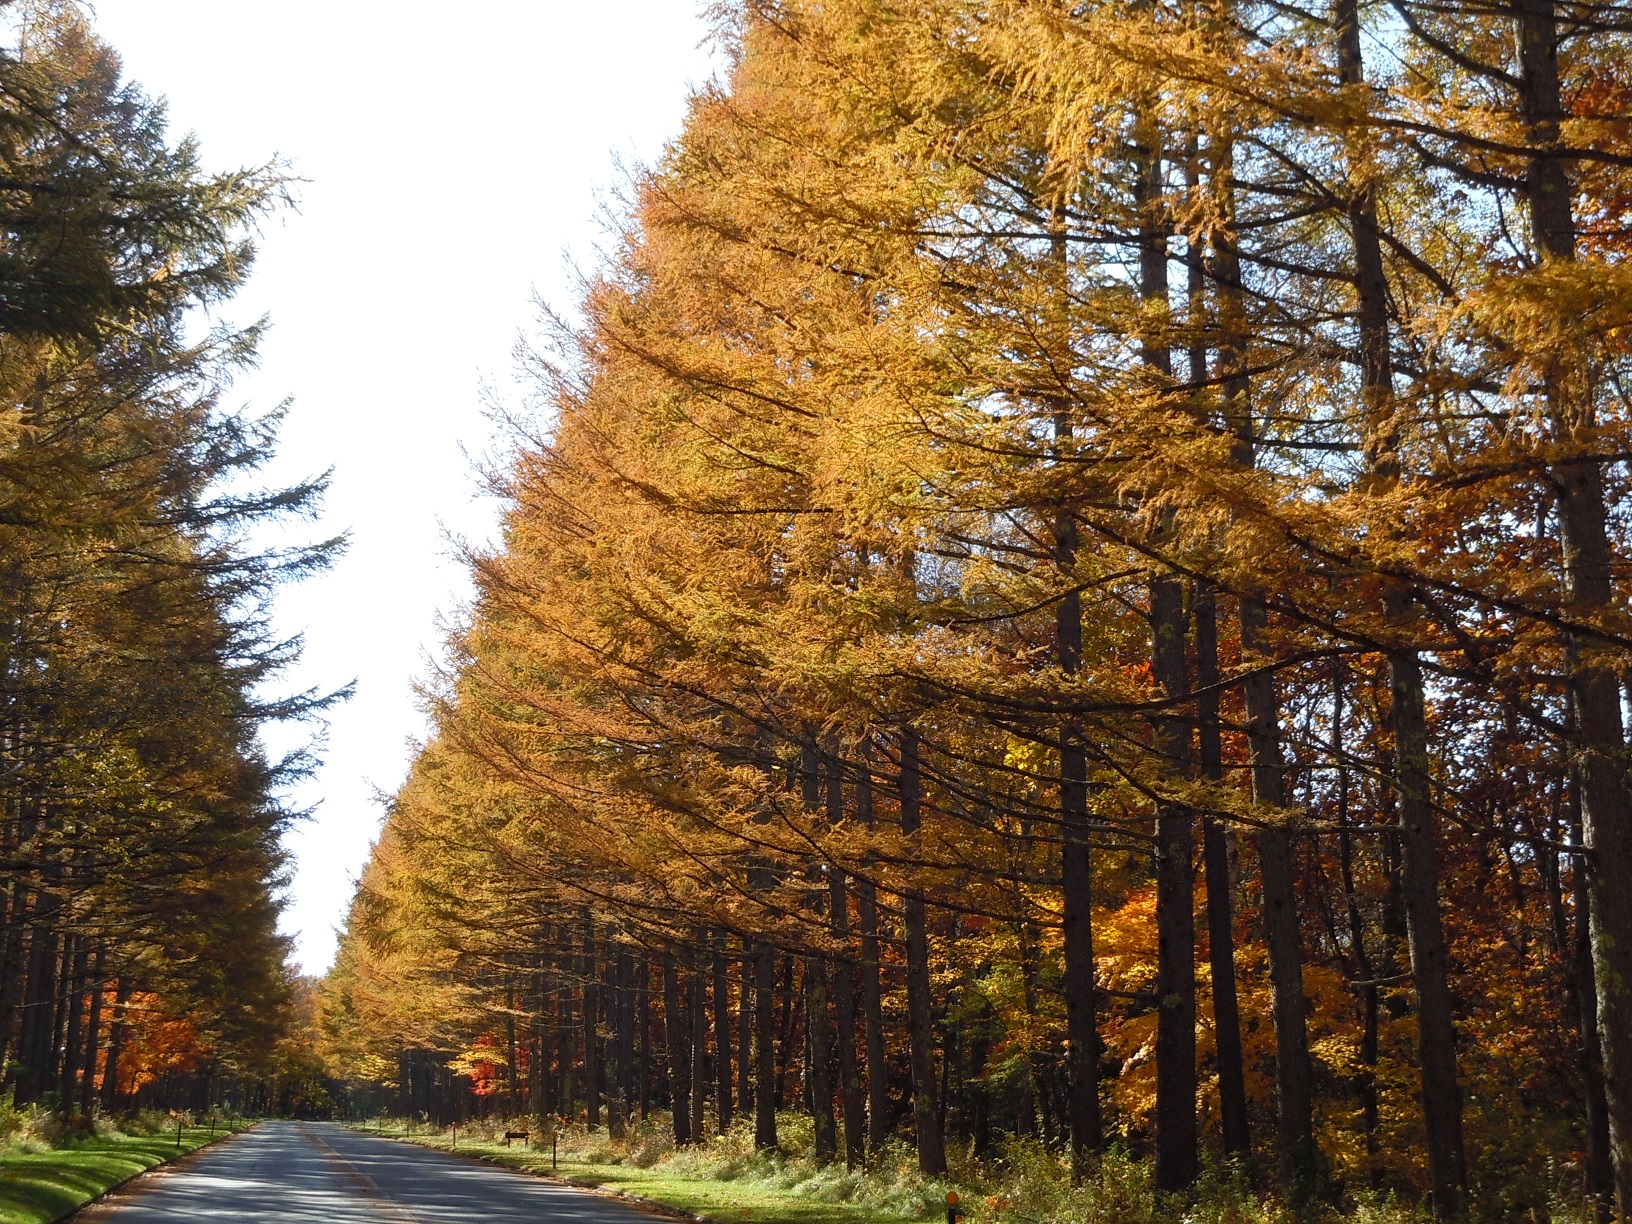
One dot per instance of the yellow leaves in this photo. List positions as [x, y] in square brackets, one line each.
[1029, 756]
[1338, 1053]
[875, 405]
[1554, 316]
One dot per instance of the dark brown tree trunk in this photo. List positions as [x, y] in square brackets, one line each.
[1419, 879]
[93, 1033]
[872, 1005]
[1076, 871]
[844, 982]
[722, 1035]
[927, 1124]
[65, 980]
[538, 1075]
[1039, 1080]
[616, 1059]
[111, 1088]
[1294, 1075]
[745, 1031]
[1076, 859]
[1419, 891]
[39, 1019]
[565, 1029]
[512, 1088]
[765, 1077]
[70, 1043]
[13, 970]
[1606, 805]
[818, 1087]
[628, 1069]
[697, 1001]
[1177, 1136]
[1361, 963]
[1177, 1154]
[592, 1020]
[818, 1076]
[1600, 1162]
[785, 1032]
[643, 1026]
[1232, 1089]
[674, 1016]
[1294, 1117]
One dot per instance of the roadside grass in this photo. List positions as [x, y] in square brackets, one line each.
[1021, 1181]
[727, 1179]
[724, 1179]
[41, 1184]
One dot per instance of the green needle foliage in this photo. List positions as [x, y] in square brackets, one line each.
[139, 814]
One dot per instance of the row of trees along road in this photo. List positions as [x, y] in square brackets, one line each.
[139, 817]
[1071, 582]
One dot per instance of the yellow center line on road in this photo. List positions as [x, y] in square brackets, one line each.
[369, 1187]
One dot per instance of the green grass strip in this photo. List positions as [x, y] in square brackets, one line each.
[39, 1187]
[741, 1200]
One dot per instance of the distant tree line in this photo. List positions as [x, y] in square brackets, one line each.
[139, 814]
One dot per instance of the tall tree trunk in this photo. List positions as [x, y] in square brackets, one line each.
[566, 1029]
[818, 1032]
[818, 1075]
[1419, 891]
[70, 1043]
[65, 981]
[112, 1090]
[1232, 1088]
[39, 1020]
[511, 1088]
[1177, 1136]
[872, 1005]
[1039, 1080]
[765, 1077]
[93, 1033]
[785, 1032]
[1362, 967]
[1294, 1075]
[1077, 883]
[1606, 805]
[1177, 1154]
[745, 1030]
[697, 994]
[679, 1063]
[592, 1020]
[1600, 1161]
[926, 1114]
[13, 971]
[643, 1027]
[1297, 1153]
[844, 984]
[628, 1071]
[615, 1057]
[538, 1074]
[1419, 877]
[722, 1035]
[1076, 858]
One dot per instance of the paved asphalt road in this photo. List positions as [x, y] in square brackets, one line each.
[320, 1173]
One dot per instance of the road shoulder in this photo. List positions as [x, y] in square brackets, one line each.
[118, 1194]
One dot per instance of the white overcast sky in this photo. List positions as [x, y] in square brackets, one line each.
[453, 156]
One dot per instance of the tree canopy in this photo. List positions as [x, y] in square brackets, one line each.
[140, 816]
[1071, 582]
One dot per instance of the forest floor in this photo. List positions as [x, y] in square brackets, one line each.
[713, 1183]
[39, 1184]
